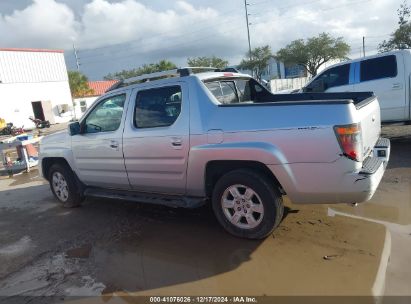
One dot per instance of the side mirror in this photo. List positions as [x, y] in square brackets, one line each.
[74, 128]
[317, 86]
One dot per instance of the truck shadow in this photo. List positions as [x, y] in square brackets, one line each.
[128, 246]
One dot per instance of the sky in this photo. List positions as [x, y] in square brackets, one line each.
[112, 35]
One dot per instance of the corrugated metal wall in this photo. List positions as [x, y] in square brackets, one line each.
[29, 67]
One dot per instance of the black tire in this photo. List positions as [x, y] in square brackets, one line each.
[74, 197]
[268, 194]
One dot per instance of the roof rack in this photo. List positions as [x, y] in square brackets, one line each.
[180, 72]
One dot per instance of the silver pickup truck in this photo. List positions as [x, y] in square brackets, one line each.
[183, 139]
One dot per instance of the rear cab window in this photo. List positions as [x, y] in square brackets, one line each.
[378, 68]
[234, 90]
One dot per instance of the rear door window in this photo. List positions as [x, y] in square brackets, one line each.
[378, 68]
[159, 107]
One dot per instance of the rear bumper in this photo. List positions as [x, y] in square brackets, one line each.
[332, 183]
[362, 186]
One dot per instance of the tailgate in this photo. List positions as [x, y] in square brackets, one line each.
[369, 116]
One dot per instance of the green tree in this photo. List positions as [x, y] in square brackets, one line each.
[162, 65]
[401, 38]
[314, 52]
[78, 84]
[257, 60]
[213, 61]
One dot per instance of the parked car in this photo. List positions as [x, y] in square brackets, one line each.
[221, 137]
[388, 75]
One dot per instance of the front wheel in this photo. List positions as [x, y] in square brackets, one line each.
[63, 185]
[247, 204]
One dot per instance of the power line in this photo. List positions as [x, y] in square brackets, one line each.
[378, 36]
[147, 41]
[165, 33]
[191, 42]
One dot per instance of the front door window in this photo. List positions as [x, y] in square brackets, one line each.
[106, 116]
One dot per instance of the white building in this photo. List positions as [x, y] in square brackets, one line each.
[81, 104]
[34, 82]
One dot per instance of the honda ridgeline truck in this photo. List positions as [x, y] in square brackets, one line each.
[220, 137]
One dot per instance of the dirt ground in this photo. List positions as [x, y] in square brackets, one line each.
[124, 248]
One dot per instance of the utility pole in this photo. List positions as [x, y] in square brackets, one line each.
[363, 46]
[77, 59]
[248, 27]
[78, 70]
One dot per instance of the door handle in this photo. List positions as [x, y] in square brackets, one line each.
[176, 141]
[114, 144]
[396, 86]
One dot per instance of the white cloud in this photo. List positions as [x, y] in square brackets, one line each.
[110, 23]
[44, 23]
[344, 18]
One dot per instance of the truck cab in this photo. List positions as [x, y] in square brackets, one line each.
[386, 74]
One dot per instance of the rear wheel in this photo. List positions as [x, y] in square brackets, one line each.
[247, 204]
[63, 185]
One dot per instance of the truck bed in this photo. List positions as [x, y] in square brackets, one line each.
[259, 95]
[356, 97]
[344, 97]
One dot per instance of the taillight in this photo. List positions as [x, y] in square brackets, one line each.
[349, 138]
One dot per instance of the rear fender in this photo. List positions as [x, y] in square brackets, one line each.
[266, 153]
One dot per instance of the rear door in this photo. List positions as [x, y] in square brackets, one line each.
[385, 76]
[156, 139]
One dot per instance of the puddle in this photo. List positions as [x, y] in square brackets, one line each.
[80, 252]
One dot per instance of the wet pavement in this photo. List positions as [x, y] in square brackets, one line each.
[109, 246]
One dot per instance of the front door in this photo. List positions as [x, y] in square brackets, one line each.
[156, 139]
[337, 79]
[98, 151]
